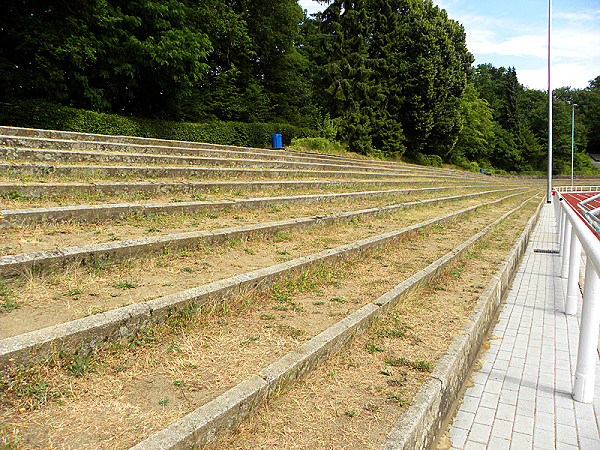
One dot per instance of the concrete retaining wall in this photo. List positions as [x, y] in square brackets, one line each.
[431, 407]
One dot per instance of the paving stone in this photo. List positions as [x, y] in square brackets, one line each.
[485, 416]
[523, 424]
[532, 373]
[501, 429]
[521, 441]
[480, 433]
[566, 434]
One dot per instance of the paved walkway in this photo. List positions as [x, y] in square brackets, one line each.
[521, 397]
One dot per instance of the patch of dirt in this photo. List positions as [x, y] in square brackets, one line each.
[49, 236]
[81, 291]
[351, 401]
[133, 389]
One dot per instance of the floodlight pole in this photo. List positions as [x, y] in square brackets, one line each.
[572, 141]
[549, 192]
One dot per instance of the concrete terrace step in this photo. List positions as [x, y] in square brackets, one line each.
[35, 189]
[67, 141]
[207, 422]
[242, 153]
[123, 140]
[97, 329]
[67, 156]
[30, 169]
[119, 250]
[91, 213]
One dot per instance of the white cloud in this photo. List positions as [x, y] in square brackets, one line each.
[312, 6]
[525, 45]
[573, 75]
[575, 16]
[521, 40]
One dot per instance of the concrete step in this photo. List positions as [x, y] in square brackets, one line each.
[107, 141]
[119, 250]
[272, 378]
[121, 171]
[34, 189]
[67, 156]
[102, 212]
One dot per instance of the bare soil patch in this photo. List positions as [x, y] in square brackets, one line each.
[129, 390]
[49, 236]
[354, 399]
[45, 300]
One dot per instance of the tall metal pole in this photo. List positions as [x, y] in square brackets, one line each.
[572, 141]
[549, 192]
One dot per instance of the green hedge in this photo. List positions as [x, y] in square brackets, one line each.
[41, 114]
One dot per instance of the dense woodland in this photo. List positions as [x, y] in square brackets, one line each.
[388, 78]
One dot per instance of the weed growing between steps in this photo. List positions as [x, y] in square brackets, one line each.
[182, 192]
[47, 299]
[143, 383]
[376, 386]
[7, 300]
[66, 234]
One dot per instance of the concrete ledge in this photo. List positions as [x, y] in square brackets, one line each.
[91, 213]
[140, 141]
[118, 250]
[188, 171]
[156, 187]
[90, 331]
[175, 148]
[66, 156]
[201, 426]
[415, 429]
[33, 133]
[296, 364]
[410, 431]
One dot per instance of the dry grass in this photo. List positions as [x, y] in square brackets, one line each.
[25, 239]
[352, 400]
[79, 291]
[142, 384]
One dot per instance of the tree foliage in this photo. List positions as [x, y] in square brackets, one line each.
[394, 74]
[386, 77]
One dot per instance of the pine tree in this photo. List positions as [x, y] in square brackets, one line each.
[348, 81]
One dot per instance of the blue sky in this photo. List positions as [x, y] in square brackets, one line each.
[514, 33]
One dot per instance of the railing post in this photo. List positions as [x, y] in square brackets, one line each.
[557, 215]
[587, 356]
[573, 283]
[561, 233]
[566, 248]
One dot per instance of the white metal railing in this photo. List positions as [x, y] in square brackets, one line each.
[577, 188]
[574, 234]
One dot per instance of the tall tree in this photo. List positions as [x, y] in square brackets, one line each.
[397, 71]
[137, 56]
[477, 131]
[348, 80]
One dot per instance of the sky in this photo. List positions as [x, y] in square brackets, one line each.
[514, 33]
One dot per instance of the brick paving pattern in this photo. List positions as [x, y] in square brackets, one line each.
[521, 398]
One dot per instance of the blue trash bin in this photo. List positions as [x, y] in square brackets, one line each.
[481, 170]
[276, 139]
